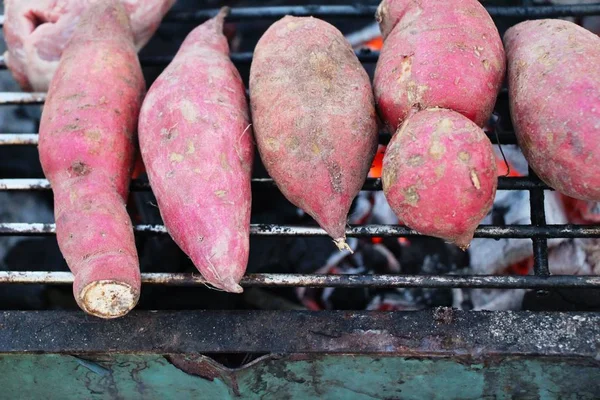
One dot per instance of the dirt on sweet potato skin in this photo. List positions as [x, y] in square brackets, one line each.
[437, 53]
[439, 175]
[314, 117]
[554, 94]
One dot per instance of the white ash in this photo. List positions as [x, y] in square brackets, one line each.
[576, 257]
[488, 299]
[372, 208]
[494, 256]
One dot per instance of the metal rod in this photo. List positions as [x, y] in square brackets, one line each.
[504, 183]
[363, 11]
[16, 98]
[312, 280]
[483, 231]
[364, 55]
[24, 184]
[538, 219]
[554, 11]
[12, 139]
[18, 139]
[11, 98]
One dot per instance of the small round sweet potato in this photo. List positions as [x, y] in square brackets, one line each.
[437, 53]
[554, 92]
[439, 175]
[314, 118]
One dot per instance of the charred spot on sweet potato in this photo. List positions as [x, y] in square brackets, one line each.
[79, 168]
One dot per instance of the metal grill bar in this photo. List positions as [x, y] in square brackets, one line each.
[14, 98]
[18, 139]
[521, 183]
[538, 219]
[349, 281]
[362, 11]
[483, 231]
[365, 56]
[13, 139]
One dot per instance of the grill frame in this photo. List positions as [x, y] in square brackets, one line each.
[466, 336]
[539, 232]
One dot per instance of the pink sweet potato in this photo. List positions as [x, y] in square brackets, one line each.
[437, 53]
[314, 118]
[439, 175]
[554, 92]
[196, 143]
[86, 150]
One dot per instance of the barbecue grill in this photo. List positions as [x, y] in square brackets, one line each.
[437, 353]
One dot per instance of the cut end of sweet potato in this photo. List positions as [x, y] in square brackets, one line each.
[108, 298]
[227, 284]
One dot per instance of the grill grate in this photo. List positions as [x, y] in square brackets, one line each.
[538, 231]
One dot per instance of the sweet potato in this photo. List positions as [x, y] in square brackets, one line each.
[86, 150]
[437, 53]
[36, 32]
[197, 146]
[439, 175]
[314, 118]
[554, 92]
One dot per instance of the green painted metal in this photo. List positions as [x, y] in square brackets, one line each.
[125, 376]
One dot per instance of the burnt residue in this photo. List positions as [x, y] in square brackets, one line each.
[79, 168]
[443, 315]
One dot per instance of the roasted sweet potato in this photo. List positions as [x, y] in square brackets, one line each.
[554, 93]
[87, 136]
[197, 146]
[314, 118]
[437, 53]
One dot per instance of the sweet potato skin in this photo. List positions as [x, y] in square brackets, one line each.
[437, 53]
[86, 151]
[554, 93]
[196, 142]
[314, 118]
[439, 175]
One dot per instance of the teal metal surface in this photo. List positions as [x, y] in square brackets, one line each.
[29, 376]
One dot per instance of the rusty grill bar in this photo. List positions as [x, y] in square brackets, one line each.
[517, 183]
[367, 11]
[348, 281]
[539, 232]
[433, 333]
[483, 231]
[364, 11]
